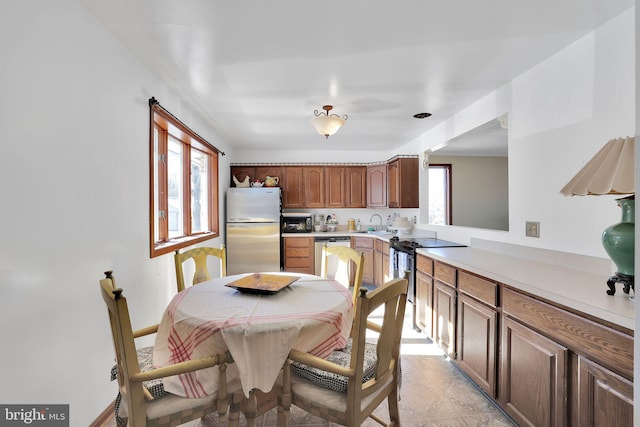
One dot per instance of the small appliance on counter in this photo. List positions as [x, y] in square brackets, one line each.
[296, 222]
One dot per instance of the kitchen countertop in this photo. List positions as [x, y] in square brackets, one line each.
[384, 237]
[574, 289]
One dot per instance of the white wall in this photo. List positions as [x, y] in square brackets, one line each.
[74, 181]
[480, 190]
[74, 184]
[561, 112]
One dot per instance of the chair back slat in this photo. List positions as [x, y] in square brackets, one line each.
[199, 257]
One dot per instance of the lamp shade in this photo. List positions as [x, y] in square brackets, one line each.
[610, 171]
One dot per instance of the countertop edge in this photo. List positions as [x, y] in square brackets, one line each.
[578, 290]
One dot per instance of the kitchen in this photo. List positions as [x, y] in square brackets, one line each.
[76, 218]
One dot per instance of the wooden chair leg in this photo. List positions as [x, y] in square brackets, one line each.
[284, 397]
[223, 398]
[251, 409]
[234, 409]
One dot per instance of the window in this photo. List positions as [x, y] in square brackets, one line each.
[440, 194]
[184, 184]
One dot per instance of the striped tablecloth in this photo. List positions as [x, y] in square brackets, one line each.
[313, 314]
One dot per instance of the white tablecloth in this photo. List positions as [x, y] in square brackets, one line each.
[313, 314]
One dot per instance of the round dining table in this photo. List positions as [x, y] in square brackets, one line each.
[257, 327]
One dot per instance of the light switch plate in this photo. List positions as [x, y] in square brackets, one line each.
[532, 229]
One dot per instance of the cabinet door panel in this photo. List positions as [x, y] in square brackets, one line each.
[356, 187]
[335, 187]
[477, 342]
[313, 181]
[292, 188]
[377, 268]
[424, 303]
[386, 276]
[533, 383]
[393, 184]
[606, 399]
[377, 186]
[444, 318]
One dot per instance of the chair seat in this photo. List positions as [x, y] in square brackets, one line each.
[341, 357]
[322, 401]
[164, 403]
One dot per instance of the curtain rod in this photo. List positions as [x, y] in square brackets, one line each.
[153, 102]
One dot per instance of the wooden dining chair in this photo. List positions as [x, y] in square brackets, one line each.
[142, 400]
[346, 392]
[349, 269]
[199, 256]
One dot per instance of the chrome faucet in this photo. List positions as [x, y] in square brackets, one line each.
[378, 215]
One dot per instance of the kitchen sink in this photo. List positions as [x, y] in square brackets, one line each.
[378, 232]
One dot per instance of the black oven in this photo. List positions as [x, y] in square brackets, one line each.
[402, 254]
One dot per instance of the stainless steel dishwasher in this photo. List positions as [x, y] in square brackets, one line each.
[330, 241]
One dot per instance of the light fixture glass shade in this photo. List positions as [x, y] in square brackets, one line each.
[610, 171]
[327, 125]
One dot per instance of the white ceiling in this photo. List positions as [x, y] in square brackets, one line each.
[258, 69]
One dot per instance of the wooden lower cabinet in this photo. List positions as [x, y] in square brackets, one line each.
[602, 397]
[544, 365]
[365, 245]
[424, 303]
[377, 267]
[477, 343]
[534, 377]
[444, 317]
[298, 255]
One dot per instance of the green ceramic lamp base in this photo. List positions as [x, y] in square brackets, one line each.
[619, 242]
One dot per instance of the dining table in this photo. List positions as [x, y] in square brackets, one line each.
[258, 325]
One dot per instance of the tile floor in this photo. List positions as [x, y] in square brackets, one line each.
[433, 393]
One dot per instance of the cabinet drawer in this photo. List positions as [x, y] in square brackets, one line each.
[385, 248]
[298, 242]
[478, 288]
[363, 242]
[297, 252]
[298, 262]
[610, 348]
[424, 265]
[445, 273]
[378, 245]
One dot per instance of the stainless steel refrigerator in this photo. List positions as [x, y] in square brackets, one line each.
[253, 230]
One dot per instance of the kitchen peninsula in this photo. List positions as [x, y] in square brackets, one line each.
[543, 339]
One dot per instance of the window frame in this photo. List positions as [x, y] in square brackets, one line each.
[167, 124]
[448, 192]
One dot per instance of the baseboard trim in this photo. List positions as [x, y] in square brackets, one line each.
[105, 416]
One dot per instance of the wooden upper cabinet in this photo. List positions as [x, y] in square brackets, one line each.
[377, 186]
[292, 186]
[334, 187]
[313, 182]
[403, 189]
[241, 172]
[356, 187]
